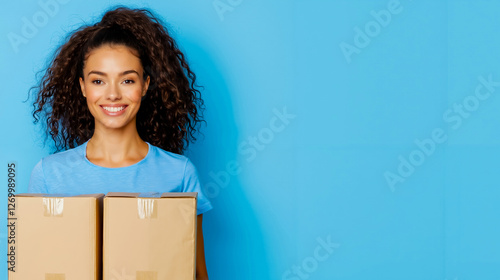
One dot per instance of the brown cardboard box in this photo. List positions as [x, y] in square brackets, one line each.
[57, 237]
[149, 238]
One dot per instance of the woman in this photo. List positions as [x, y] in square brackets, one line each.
[121, 98]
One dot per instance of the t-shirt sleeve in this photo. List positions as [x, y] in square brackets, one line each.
[37, 180]
[192, 184]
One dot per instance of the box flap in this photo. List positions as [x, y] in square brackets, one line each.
[152, 194]
[30, 194]
[122, 194]
[180, 194]
[96, 195]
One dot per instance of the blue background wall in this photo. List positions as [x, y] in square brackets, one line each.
[368, 126]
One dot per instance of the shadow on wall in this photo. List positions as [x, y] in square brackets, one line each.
[234, 242]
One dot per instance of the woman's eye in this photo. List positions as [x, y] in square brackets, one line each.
[97, 82]
[128, 81]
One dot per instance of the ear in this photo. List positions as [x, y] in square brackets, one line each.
[146, 86]
[82, 86]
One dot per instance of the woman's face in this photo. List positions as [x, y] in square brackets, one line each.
[113, 85]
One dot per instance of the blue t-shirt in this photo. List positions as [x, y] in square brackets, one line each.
[71, 173]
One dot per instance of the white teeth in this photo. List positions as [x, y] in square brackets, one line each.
[113, 109]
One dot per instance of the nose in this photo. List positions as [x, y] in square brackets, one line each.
[113, 93]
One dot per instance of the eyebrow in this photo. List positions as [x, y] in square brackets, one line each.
[104, 74]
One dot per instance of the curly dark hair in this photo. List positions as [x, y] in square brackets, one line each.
[171, 110]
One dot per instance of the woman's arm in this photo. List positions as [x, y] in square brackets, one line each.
[201, 268]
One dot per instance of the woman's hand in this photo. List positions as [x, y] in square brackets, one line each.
[201, 268]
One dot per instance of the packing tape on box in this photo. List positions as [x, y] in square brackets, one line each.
[147, 205]
[55, 276]
[147, 208]
[146, 275]
[53, 206]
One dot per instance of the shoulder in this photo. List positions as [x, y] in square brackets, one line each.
[162, 156]
[65, 159]
[172, 161]
[54, 167]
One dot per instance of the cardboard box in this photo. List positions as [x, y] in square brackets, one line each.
[56, 237]
[149, 238]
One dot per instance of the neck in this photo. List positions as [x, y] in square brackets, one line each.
[116, 147]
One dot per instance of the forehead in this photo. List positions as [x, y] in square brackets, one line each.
[112, 58]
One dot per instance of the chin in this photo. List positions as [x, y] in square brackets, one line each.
[112, 125]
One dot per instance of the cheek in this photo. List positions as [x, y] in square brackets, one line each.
[91, 107]
[92, 96]
[91, 100]
[135, 95]
[93, 93]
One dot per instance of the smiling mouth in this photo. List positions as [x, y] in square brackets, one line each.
[113, 109]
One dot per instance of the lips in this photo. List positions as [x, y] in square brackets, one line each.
[113, 110]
